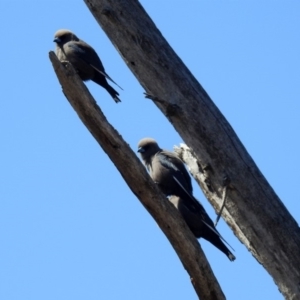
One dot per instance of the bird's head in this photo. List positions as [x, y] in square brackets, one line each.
[147, 148]
[63, 36]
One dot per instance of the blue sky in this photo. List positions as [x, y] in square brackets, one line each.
[70, 228]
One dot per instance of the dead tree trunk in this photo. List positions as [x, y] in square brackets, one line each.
[253, 210]
[135, 175]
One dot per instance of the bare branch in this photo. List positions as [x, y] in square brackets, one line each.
[253, 210]
[135, 175]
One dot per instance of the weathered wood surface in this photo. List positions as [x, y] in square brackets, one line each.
[138, 180]
[253, 210]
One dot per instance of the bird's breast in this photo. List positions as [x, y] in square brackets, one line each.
[60, 54]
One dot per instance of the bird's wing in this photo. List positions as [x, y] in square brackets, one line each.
[183, 180]
[204, 216]
[171, 161]
[106, 76]
[181, 177]
[88, 54]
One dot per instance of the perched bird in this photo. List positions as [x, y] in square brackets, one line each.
[169, 173]
[84, 59]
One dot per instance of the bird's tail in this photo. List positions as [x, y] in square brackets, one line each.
[217, 242]
[212, 235]
[98, 78]
[113, 93]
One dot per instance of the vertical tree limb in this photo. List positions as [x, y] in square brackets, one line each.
[253, 210]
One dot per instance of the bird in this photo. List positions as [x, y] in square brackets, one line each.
[168, 171]
[84, 59]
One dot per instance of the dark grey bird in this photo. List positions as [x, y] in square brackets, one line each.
[84, 59]
[168, 171]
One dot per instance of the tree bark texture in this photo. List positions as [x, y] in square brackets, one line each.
[253, 210]
[138, 180]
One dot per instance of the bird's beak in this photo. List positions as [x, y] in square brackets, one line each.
[57, 40]
[141, 150]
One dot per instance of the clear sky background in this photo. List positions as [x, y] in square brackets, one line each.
[70, 228]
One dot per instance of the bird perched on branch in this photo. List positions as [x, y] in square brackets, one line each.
[84, 59]
[169, 173]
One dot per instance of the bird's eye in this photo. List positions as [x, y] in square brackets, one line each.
[142, 149]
